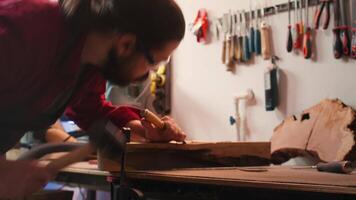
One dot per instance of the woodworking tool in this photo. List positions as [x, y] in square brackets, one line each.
[353, 25]
[337, 46]
[153, 118]
[225, 30]
[325, 5]
[240, 39]
[257, 41]
[289, 37]
[307, 46]
[265, 38]
[345, 38]
[296, 31]
[343, 167]
[231, 43]
[252, 31]
[245, 42]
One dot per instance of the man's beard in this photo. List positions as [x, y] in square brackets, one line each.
[116, 69]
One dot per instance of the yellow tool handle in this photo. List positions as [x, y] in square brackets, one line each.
[223, 56]
[70, 158]
[154, 119]
[265, 40]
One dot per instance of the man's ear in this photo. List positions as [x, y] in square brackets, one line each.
[126, 44]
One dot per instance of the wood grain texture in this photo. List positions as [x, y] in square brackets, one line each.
[192, 154]
[327, 131]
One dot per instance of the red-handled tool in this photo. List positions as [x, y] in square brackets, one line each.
[337, 46]
[324, 5]
[307, 47]
[289, 37]
[344, 30]
[297, 42]
[353, 24]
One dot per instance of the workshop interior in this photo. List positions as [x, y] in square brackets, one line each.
[263, 89]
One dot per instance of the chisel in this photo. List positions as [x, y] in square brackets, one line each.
[289, 37]
[337, 46]
[265, 38]
[257, 33]
[342, 167]
[252, 31]
[307, 47]
[353, 25]
[246, 49]
[344, 30]
[296, 44]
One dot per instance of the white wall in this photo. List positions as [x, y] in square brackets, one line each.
[203, 90]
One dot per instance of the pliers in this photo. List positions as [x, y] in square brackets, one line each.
[324, 4]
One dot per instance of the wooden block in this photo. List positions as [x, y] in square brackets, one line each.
[192, 154]
[326, 131]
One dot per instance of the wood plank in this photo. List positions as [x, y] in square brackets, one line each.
[327, 131]
[192, 154]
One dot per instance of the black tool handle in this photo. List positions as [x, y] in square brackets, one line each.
[337, 47]
[345, 41]
[343, 167]
[307, 47]
[353, 44]
[318, 16]
[289, 39]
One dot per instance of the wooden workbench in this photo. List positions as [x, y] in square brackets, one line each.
[217, 183]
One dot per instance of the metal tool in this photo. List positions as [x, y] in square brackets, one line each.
[239, 52]
[337, 46]
[252, 31]
[345, 38]
[245, 42]
[257, 41]
[353, 25]
[230, 43]
[225, 30]
[307, 46]
[343, 167]
[289, 37]
[265, 38]
[296, 31]
[324, 5]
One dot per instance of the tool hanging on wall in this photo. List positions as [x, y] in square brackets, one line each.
[230, 43]
[245, 41]
[271, 85]
[237, 46]
[353, 25]
[257, 32]
[325, 5]
[240, 39]
[307, 45]
[296, 31]
[345, 38]
[337, 45]
[289, 34]
[252, 30]
[201, 26]
[265, 38]
[225, 30]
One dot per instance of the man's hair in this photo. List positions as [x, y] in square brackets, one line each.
[154, 22]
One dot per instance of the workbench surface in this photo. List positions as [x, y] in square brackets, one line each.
[271, 177]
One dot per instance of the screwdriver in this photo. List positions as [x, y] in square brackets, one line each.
[307, 48]
[289, 38]
[297, 43]
[337, 46]
[342, 167]
[257, 33]
[252, 32]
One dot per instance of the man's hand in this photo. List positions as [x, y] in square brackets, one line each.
[171, 131]
[21, 178]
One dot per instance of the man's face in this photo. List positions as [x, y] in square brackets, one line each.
[123, 70]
